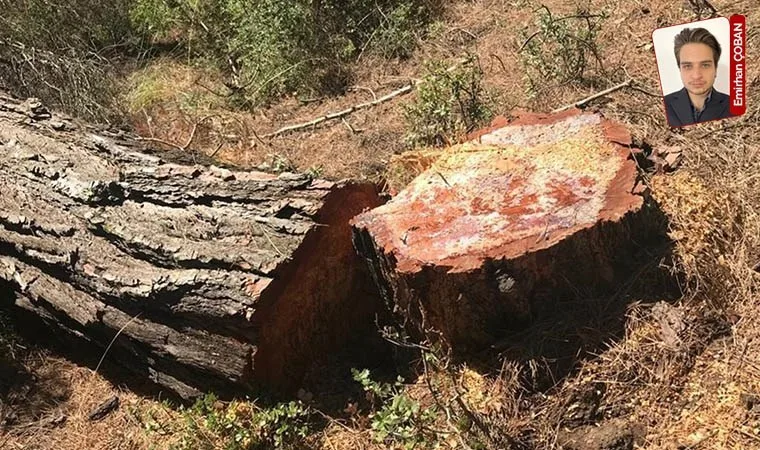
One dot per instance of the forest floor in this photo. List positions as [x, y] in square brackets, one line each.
[652, 368]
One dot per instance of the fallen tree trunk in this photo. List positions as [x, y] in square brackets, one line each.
[207, 278]
[494, 230]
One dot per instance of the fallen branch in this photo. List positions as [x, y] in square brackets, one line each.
[340, 114]
[595, 96]
[104, 409]
[350, 128]
[175, 145]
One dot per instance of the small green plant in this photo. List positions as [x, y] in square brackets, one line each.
[449, 103]
[400, 420]
[238, 425]
[315, 172]
[283, 424]
[280, 163]
[562, 48]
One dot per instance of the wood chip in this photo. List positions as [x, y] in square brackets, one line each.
[104, 409]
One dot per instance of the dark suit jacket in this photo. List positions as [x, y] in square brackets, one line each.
[678, 108]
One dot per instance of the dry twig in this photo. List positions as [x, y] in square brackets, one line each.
[340, 114]
[116, 336]
[595, 96]
[174, 144]
[350, 127]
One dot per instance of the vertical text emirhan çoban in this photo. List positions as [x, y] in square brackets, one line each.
[738, 56]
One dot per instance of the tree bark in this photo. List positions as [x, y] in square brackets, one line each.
[207, 278]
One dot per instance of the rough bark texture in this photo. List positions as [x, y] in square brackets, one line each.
[528, 211]
[212, 278]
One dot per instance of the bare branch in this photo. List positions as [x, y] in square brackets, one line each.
[350, 127]
[189, 139]
[595, 96]
[340, 114]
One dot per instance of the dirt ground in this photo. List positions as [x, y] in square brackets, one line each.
[651, 371]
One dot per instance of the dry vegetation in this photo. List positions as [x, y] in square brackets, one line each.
[652, 368]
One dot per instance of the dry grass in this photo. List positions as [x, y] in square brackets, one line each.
[683, 370]
[78, 85]
[687, 371]
[54, 389]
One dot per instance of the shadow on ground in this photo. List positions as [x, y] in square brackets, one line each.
[561, 334]
[29, 397]
[579, 324]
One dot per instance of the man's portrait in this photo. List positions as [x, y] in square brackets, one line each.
[695, 84]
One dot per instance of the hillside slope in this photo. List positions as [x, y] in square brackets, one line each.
[655, 367]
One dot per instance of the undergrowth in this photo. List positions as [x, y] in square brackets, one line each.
[210, 424]
[450, 102]
[563, 49]
[59, 51]
[272, 48]
[397, 420]
[65, 26]
[68, 53]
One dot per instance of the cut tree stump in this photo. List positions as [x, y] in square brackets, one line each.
[491, 230]
[207, 278]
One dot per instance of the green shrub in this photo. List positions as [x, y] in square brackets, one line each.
[210, 425]
[399, 420]
[397, 34]
[65, 25]
[276, 49]
[54, 50]
[269, 48]
[449, 103]
[563, 49]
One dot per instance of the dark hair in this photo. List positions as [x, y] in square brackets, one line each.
[696, 36]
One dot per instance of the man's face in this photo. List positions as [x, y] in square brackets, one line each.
[698, 70]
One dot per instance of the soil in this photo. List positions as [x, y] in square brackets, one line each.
[610, 435]
[617, 373]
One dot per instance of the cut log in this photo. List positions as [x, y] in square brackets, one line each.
[493, 229]
[208, 278]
